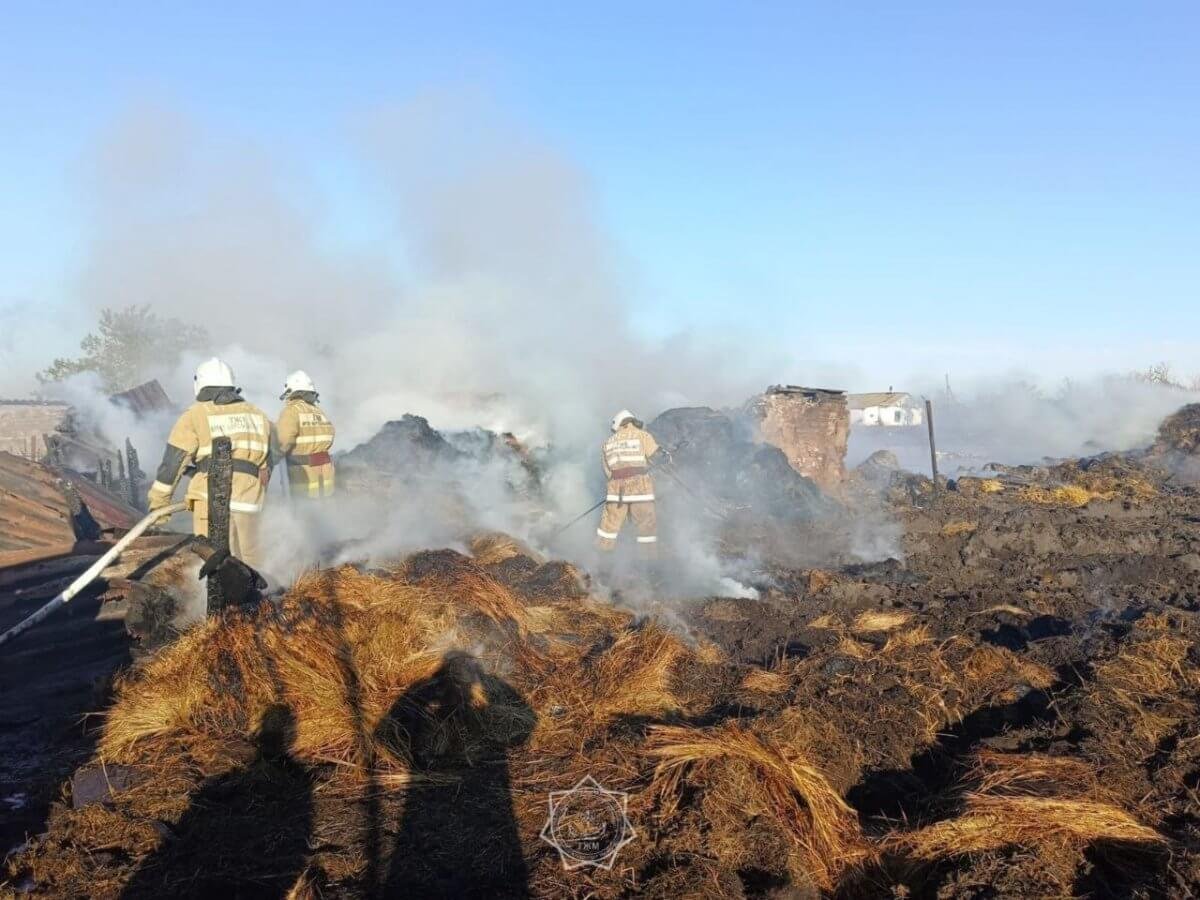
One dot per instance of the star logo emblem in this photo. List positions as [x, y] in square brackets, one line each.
[588, 825]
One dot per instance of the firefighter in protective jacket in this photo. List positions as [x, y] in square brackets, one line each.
[219, 411]
[305, 437]
[626, 460]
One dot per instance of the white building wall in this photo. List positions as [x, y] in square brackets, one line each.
[887, 416]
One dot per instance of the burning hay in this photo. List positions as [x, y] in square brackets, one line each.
[1180, 432]
[879, 620]
[349, 690]
[1156, 663]
[337, 651]
[993, 823]
[1056, 806]
[493, 548]
[765, 682]
[1146, 688]
[742, 776]
[1065, 495]
[953, 529]
[402, 728]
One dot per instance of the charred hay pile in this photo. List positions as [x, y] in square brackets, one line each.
[343, 740]
[1009, 712]
[408, 451]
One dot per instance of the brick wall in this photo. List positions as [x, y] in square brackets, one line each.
[21, 421]
[811, 427]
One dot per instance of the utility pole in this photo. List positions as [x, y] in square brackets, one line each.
[932, 444]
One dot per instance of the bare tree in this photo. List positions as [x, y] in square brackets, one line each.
[1159, 373]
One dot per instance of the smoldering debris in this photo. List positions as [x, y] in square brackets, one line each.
[1177, 446]
[411, 485]
[716, 456]
[998, 697]
[977, 715]
[408, 449]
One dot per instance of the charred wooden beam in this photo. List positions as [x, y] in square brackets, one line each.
[135, 476]
[220, 493]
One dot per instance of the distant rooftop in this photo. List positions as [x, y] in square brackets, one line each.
[879, 398]
[4, 402]
[808, 391]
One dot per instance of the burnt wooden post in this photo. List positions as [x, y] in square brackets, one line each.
[220, 491]
[932, 443]
[135, 474]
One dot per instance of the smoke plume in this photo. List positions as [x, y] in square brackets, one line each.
[485, 293]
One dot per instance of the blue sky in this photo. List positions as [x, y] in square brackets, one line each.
[928, 186]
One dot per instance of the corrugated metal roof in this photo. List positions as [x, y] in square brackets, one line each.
[34, 512]
[148, 397]
[879, 398]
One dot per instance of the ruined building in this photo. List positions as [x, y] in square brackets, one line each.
[24, 424]
[67, 438]
[810, 425]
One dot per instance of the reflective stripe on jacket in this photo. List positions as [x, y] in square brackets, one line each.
[304, 431]
[625, 458]
[629, 447]
[190, 442]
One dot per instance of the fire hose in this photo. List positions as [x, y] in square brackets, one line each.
[586, 512]
[703, 504]
[93, 571]
[670, 473]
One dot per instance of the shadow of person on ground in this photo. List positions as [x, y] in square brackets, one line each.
[457, 835]
[245, 833]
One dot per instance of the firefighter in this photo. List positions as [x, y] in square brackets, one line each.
[305, 436]
[220, 411]
[626, 458]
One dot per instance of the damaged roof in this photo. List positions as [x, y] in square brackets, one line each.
[806, 391]
[36, 513]
[145, 398]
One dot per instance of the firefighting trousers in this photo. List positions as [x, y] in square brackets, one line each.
[644, 519]
[244, 538]
[310, 482]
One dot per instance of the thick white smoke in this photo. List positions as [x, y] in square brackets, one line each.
[495, 295]
[1012, 420]
[489, 296]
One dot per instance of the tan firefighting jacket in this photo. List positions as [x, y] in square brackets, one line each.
[626, 461]
[305, 437]
[190, 444]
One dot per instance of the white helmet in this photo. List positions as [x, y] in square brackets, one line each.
[621, 418]
[297, 381]
[212, 373]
